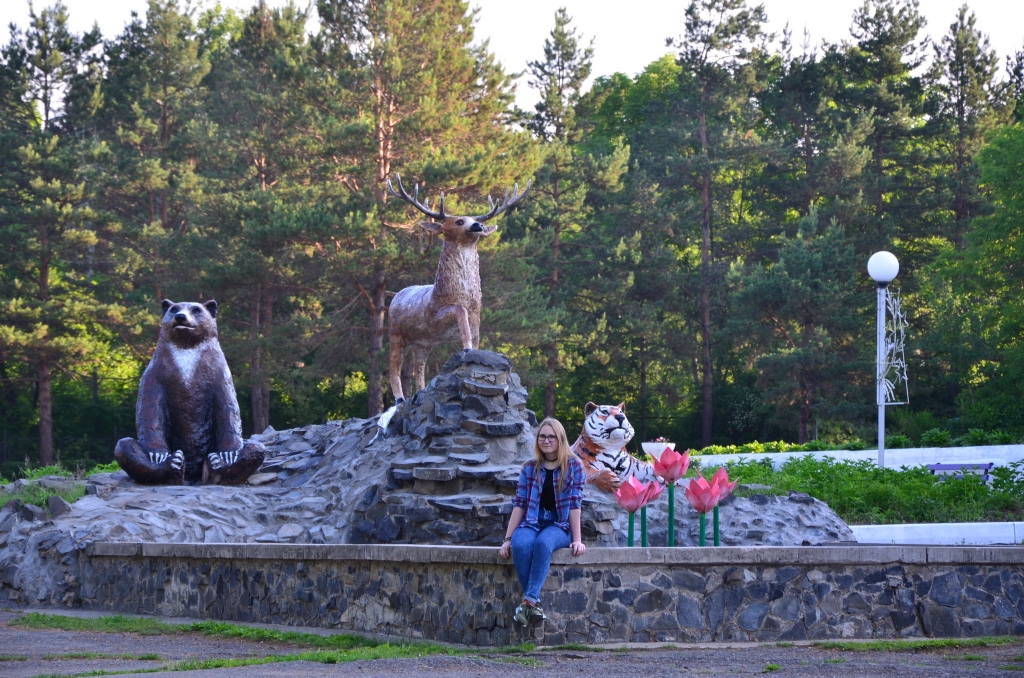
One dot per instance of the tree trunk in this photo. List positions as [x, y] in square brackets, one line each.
[643, 389]
[45, 414]
[805, 412]
[375, 380]
[704, 309]
[259, 420]
[550, 389]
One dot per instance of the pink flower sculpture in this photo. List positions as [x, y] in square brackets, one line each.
[702, 495]
[672, 466]
[721, 478]
[633, 495]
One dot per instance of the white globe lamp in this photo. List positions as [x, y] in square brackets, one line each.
[883, 267]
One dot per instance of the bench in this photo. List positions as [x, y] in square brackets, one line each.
[958, 470]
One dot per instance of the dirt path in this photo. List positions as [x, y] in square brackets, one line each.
[28, 653]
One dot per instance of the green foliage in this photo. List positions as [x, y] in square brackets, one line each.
[693, 244]
[898, 441]
[862, 493]
[37, 494]
[112, 467]
[914, 645]
[53, 470]
[936, 438]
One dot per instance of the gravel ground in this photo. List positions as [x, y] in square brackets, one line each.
[704, 660]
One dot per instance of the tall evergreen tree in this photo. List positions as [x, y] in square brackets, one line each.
[711, 137]
[967, 102]
[50, 232]
[428, 103]
[798, 318]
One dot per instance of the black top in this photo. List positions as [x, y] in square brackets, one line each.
[547, 494]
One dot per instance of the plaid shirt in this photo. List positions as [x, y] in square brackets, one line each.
[531, 483]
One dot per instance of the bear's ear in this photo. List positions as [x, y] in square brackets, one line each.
[211, 306]
[588, 409]
[164, 305]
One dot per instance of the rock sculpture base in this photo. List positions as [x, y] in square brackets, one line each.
[443, 473]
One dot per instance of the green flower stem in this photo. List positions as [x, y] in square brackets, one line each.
[703, 527]
[630, 542]
[672, 514]
[643, 526]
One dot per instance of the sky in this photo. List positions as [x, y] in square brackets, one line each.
[625, 40]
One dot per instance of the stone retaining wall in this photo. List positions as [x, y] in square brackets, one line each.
[467, 595]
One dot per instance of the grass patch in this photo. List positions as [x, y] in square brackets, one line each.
[13, 658]
[835, 660]
[966, 657]
[1012, 667]
[768, 668]
[783, 644]
[37, 495]
[325, 649]
[915, 645]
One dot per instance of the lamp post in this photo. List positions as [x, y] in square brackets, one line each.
[883, 268]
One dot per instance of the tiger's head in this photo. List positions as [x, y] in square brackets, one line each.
[607, 426]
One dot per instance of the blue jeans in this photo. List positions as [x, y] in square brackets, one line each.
[532, 549]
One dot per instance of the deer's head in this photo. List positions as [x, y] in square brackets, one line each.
[458, 230]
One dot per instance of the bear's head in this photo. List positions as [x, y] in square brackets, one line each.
[187, 324]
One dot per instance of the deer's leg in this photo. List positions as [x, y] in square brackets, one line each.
[419, 365]
[397, 349]
[463, 319]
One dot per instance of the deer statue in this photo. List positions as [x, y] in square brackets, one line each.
[424, 316]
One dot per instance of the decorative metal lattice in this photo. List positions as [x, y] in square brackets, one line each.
[894, 370]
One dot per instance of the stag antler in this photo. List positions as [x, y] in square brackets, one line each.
[414, 199]
[505, 203]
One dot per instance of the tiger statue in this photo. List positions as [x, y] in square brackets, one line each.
[602, 448]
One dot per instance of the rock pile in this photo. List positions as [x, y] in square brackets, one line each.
[444, 472]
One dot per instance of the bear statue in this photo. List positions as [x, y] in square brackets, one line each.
[187, 415]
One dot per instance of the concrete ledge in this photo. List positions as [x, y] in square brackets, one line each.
[476, 555]
[941, 534]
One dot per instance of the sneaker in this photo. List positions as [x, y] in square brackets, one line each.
[537, 614]
[522, 615]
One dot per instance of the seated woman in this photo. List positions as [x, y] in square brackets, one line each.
[546, 515]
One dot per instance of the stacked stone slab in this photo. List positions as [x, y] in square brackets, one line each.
[455, 451]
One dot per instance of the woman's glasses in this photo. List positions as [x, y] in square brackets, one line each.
[547, 439]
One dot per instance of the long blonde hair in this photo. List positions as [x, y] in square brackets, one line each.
[563, 449]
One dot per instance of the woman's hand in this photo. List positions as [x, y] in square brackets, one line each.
[578, 549]
[506, 550]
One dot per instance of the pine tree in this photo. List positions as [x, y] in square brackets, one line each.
[52, 235]
[880, 83]
[151, 115]
[711, 138]
[421, 99]
[798, 317]
[967, 102]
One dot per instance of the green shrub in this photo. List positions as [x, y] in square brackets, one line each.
[112, 467]
[936, 437]
[974, 436]
[43, 471]
[898, 441]
[860, 492]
